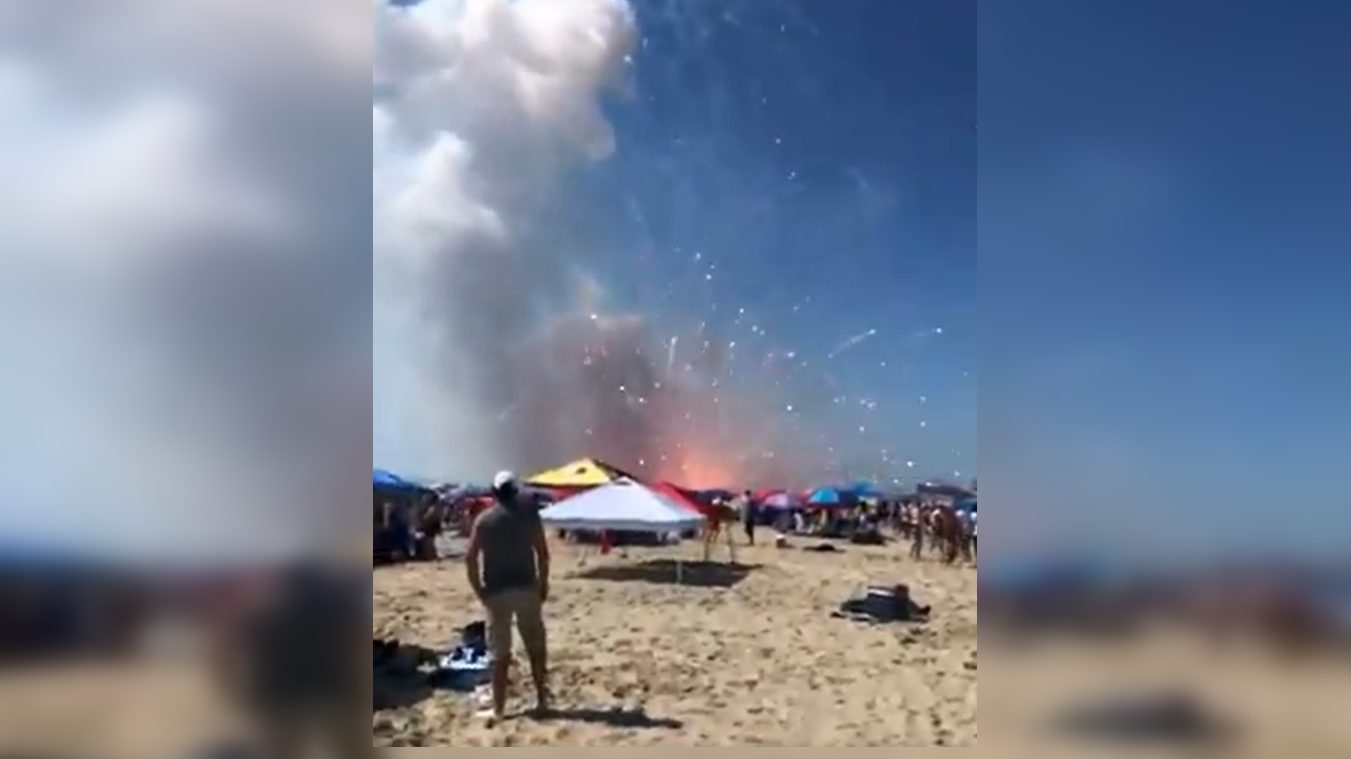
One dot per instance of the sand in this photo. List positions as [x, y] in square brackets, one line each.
[116, 710]
[1268, 705]
[759, 661]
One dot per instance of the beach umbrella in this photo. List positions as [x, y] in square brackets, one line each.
[826, 498]
[783, 500]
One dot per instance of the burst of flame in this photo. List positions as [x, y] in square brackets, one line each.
[693, 465]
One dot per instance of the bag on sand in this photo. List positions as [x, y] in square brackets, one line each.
[474, 633]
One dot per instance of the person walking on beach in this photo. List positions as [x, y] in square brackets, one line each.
[512, 584]
[748, 515]
[917, 519]
[973, 536]
[964, 531]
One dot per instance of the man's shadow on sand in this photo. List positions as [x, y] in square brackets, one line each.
[615, 717]
[696, 574]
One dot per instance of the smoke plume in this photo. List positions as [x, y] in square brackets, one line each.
[492, 350]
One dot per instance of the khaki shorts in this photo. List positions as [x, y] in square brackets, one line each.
[526, 608]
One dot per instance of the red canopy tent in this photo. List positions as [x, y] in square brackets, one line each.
[714, 516]
[681, 497]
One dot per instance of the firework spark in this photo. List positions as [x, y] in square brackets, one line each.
[852, 342]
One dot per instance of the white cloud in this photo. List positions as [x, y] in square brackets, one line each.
[178, 258]
[484, 106]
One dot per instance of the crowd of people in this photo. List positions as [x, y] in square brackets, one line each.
[407, 528]
[932, 527]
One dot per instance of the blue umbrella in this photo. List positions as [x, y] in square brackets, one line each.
[831, 497]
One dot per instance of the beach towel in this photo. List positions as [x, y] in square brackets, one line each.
[472, 652]
[464, 668]
[467, 665]
[466, 659]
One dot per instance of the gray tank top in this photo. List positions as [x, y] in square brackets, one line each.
[507, 536]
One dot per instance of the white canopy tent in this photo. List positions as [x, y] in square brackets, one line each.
[621, 505]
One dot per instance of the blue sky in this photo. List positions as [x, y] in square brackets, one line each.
[1161, 238]
[812, 156]
[1163, 265]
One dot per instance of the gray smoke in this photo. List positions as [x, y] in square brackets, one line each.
[482, 108]
[182, 275]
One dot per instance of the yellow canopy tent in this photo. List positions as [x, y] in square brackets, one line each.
[582, 473]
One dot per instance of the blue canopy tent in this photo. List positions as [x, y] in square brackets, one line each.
[383, 479]
[868, 491]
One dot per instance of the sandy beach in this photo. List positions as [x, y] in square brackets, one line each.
[726, 658]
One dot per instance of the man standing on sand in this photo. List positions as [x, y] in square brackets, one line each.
[513, 584]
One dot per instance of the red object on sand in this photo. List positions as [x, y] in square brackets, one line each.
[604, 542]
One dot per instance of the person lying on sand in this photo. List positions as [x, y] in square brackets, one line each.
[512, 585]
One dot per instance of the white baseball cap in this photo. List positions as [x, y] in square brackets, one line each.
[503, 479]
